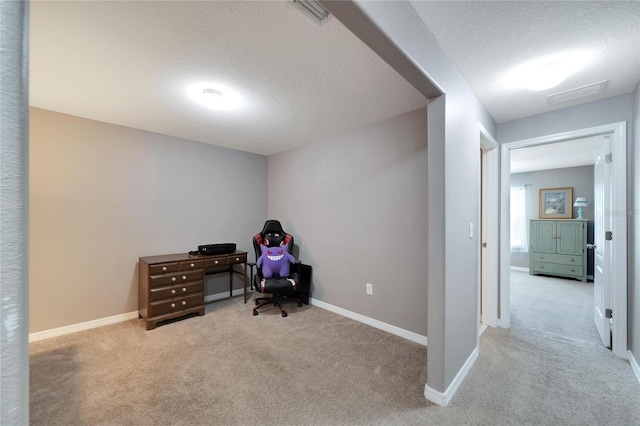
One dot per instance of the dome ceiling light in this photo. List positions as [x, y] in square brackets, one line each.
[547, 72]
[215, 96]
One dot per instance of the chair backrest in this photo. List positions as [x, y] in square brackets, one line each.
[272, 235]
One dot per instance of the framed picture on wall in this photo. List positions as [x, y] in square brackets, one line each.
[556, 203]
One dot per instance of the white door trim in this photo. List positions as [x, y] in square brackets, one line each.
[619, 246]
[491, 225]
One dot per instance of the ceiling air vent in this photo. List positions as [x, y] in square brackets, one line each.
[313, 10]
[578, 92]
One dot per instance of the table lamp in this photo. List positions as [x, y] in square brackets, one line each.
[580, 202]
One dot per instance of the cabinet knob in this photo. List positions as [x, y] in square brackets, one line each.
[173, 278]
[184, 303]
[573, 260]
[542, 267]
[184, 289]
[216, 262]
[573, 270]
[184, 277]
[192, 265]
[173, 292]
[173, 305]
[541, 257]
[237, 259]
[164, 268]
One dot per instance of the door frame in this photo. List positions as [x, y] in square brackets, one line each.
[618, 132]
[489, 223]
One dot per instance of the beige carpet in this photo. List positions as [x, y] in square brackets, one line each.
[315, 367]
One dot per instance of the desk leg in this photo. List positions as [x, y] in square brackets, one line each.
[231, 281]
[245, 282]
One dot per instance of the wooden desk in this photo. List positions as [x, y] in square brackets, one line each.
[172, 285]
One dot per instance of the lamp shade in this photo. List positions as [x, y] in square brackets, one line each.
[581, 202]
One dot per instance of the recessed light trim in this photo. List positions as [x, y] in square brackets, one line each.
[548, 71]
[215, 96]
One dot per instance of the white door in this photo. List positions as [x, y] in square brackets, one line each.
[602, 250]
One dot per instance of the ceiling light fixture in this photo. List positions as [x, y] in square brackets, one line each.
[214, 96]
[547, 72]
[313, 10]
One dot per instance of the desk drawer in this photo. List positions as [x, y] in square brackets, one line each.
[191, 265]
[215, 261]
[170, 292]
[553, 268]
[175, 278]
[175, 305]
[162, 268]
[237, 258]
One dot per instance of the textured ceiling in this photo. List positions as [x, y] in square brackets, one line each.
[485, 39]
[130, 63]
[559, 155]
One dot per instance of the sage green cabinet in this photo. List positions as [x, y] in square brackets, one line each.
[558, 247]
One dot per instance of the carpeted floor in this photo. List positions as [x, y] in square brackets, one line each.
[316, 367]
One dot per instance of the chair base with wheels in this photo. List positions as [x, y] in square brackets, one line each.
[276, 286]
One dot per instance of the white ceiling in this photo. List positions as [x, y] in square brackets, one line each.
[130, 62]
[559, 155]
[486, 39]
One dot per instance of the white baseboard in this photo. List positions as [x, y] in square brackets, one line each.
[520, 269]
[55, 332]
[443, 399]
[483, 327]
[406, 334]
[634, 365]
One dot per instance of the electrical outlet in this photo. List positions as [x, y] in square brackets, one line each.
[369, 288]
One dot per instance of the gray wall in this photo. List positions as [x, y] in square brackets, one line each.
[396, 33]
[103, 195]
[634, 231]
[579, 178]
[605, 111]
[356, 204]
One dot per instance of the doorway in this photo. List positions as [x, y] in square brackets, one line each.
[618, 270]
[488, 270]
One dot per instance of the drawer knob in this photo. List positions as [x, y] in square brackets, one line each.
[184, 289]
[184, 277]
[173, 292]
[184, 303]
[542, 267]
[573, 270]
[216, 262]
[164, 268]
[541, 257]
[573, 260]
[192, 265]
[173, 278]
[237, 259]
[173, 305]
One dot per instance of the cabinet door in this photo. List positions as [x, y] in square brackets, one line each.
[570, 237]
[543, 236]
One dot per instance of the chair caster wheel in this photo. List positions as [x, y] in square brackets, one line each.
[284, 314]
[255, 312]
[255, 302]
